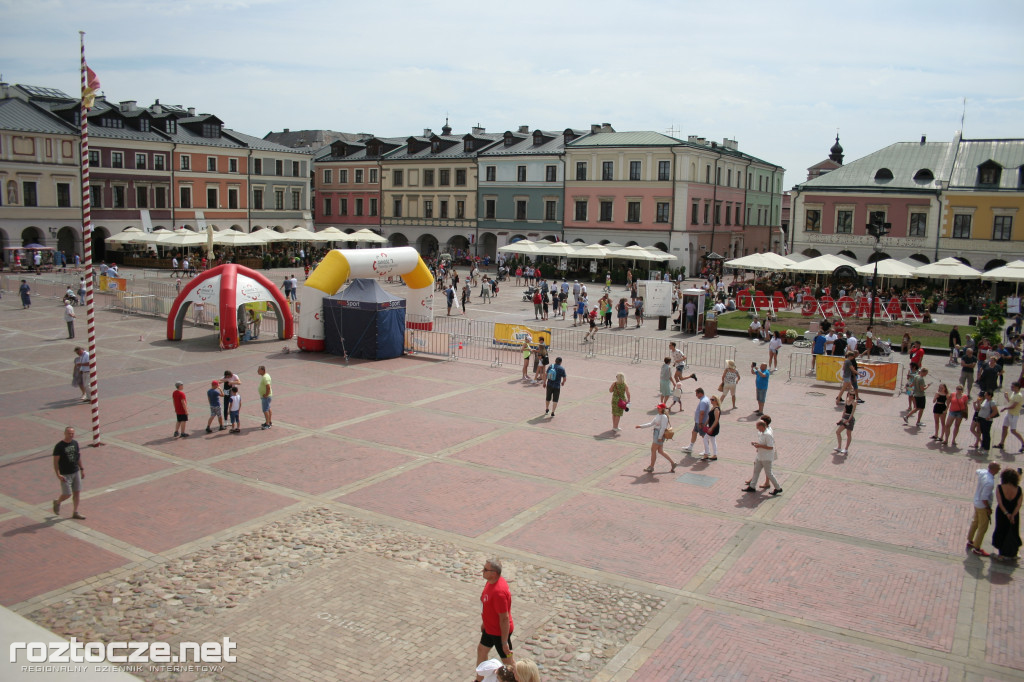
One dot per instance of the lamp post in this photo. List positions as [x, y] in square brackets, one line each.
[878, 228]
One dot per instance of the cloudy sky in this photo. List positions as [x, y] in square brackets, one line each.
[780, 77]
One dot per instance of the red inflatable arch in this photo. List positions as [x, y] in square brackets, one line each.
[226, 288]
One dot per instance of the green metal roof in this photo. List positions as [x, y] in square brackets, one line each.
[1007, 153]
[905, 160]
[643, 138]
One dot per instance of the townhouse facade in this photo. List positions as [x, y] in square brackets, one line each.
[347, 183]
[960, 198]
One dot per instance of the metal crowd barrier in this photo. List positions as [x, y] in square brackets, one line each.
[801, 367]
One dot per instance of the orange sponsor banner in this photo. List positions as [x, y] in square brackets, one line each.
[869, 374]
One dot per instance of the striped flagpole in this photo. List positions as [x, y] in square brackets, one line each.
[90, 310]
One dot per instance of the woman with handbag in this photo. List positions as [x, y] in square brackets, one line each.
[711, 431]
[662, 430]
[956, 413]
[620, 399]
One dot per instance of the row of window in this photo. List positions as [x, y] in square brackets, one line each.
[117, 160]
[443, 178]
[357, 207]
[635, 170]
[550, 173]
[398, 208]
[158, 195]
[521, 205]
[606, 210]
[1002, 227]
[343, 176]
[30, 196]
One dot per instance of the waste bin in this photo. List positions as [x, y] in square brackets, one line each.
[710, 329]
[662, 323]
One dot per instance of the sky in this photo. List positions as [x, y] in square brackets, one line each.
[780, 77]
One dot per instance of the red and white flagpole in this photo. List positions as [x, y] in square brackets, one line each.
[90, 311]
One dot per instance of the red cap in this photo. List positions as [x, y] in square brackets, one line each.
[215, 383]
[662, 406]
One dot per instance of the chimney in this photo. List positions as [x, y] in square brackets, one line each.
[524, 129]
[730, 144]
[191, 111]
[923, 139]
[702, 141]
[595, 127]
[427, 132]
[714, 145]
[477, 130]
[4, 90]
[128, 106]
[156, 108]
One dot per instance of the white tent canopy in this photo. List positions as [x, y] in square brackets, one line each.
[234, 238]
[947, 268]
[889, 268]
[130, 235]
[1011, 272]
[759, 261]
[819, 265]
[365, 235]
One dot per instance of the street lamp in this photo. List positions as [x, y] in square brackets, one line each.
[877, 228]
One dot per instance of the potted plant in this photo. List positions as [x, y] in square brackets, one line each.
[790, 336]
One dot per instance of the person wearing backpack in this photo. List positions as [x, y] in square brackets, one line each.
[556, 378]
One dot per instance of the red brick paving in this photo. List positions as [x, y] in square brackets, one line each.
[314, 464]
[37, 557]
[1004, 644]
[464, 500]
[904, 598]
[493, 403]
[116, 413]
[21, 435]
[313, 409]
[424, 432]
[626, 537]
[926, 471]
[156, 517]
[723, 646]
[201, 445]
[385, 388]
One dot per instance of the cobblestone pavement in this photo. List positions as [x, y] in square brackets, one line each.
[346, 542]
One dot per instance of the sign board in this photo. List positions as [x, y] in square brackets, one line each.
[515, 334]
[1013, 305]
[873, 374]
[657, 297]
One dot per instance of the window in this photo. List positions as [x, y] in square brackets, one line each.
[444, 177]
[116, 160]
[844, 222]
[327, 206]
[140, 160]
[118, 194]
[328, 176]
[551, 210]
[373, 175]
[171, 126]
[460, 178]
[694, 212]
[398, 178]
[718, 213]
[581, 170]
[94, 158]
[489, 208]
[342, 206]
[520, 173]
[490, 173]
[233, 197]
[359, 207]
[718, 176]
[728, 214]
[664, 170]
[988, 173]
[728, 177]
[633, 212]
[883, 175]
[607, 170]
[186, 162]
[295, 169]
[813, 222]
[359, 175]
[520, 209]
[444, 208]
[257, 166]
[211, 130]
[144, 125]
[428, 178]
[111, 123]
[343, 176]
[917, 224]
[211, 197]
[96, 196]
[460, 206]
[211, 164]
[961, 226]
[278, 167]
[707, 176]
[428, 209]
[661, 215]
[876, 217]
[551, 173]
[159, 197]
[279, 199]
[185, 196]
[63, 195]
[1002, 226]
[606, 212]
[581, 210]
[397, 212]
[232, 165]
[373, 207]
[634, 170]
[707, 212]
[257, 199]
[296, 200]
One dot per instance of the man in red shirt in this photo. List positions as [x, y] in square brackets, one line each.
[180, 410]
[917, 353]
[496, 630]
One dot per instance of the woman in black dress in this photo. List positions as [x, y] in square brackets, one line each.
[1006, 536]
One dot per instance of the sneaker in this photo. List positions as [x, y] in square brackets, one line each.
[970, 546]
[264, 427]
[184, 435]
[980, 552]
[209, 430]
[175, 434]
[777, 491]
[56, 506]
[552, 415]
[78, 516]
[546, 412]
[844, 452]
[688, 448]
[222, 428]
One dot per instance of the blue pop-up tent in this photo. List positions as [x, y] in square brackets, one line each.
[364, 321]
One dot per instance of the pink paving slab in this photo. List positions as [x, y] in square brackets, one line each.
[179, 508]
[314, 409]
[37, 558]
[22, 379]
[469, 374]
[116, 413]
[525, 401]
[709, 645]
[420, 431]
[1004, 645]
[201, 445]
[462, 499]
[849, 587]
[21, 435]
[904, 467]
[403, 390]
[626, 537]
[314, 464]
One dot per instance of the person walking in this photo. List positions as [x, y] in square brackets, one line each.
[920, 389]
[556, 378]
[236, 410]
[622, 312]
[850, 371]
[180, 411]
[497, 625]
[730, 378]
[988, 379]
[940, 403]
[620, 399]
[229, 381]
[968, 363]
[982, 508]
[846, 423]
[638, 312]
[711, 431]
[678, 360]
[213, 396]
[660, 423]
[773, 351]
[1006, 537]
[987, 412]
[764, 446]
[80, 375]
[265, 398]
[67, 464]
[700, 420]
[665, 381]
[25, 291]
[761, 376]
[466, 293]
[449, 295]
[541, 360]
[956, 413]
[1014, 400]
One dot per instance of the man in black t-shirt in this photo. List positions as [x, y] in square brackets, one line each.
[67, 464]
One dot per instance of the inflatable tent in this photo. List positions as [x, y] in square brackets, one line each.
[379, 264]
[222, 291]
[364, 321]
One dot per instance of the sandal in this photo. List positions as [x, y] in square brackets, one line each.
[649, 470]
[673, 469]
[712, 459]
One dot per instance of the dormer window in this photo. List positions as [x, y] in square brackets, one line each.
[568, 136]
[509, 139]
[924, 176]
[111, 122]
[171, 126]
[989, 172]
[372, 150]
[144, 125]
[435, 146]
[211, 130]
[538, 137]
[883, 175]
[469, 146]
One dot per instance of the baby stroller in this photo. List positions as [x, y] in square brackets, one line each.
[528, 294]
[954, 357]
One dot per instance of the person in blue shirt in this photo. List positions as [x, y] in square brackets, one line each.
[760, 384]
[213, 396]
[818, 348]
[556, 378]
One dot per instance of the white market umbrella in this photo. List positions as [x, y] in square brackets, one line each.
[661, 255]
[768, 261]
[180, 237]
[296, 234]
[888, 268]
[556, 249]
[1011, 272]
[523, 246]
[636, 252]
[368, 236]
[819, 265]
[235, 238]
[947, 268]
[129, 235]
[594, 252]
[334, 233]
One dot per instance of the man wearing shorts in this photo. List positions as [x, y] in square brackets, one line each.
[556, 378]
[67, 464]
[678, 360]
[180, 411]
[213, 396]
[496, 629]
[1014, 400]
[265, 397]
[919, 389]
[967, 365]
